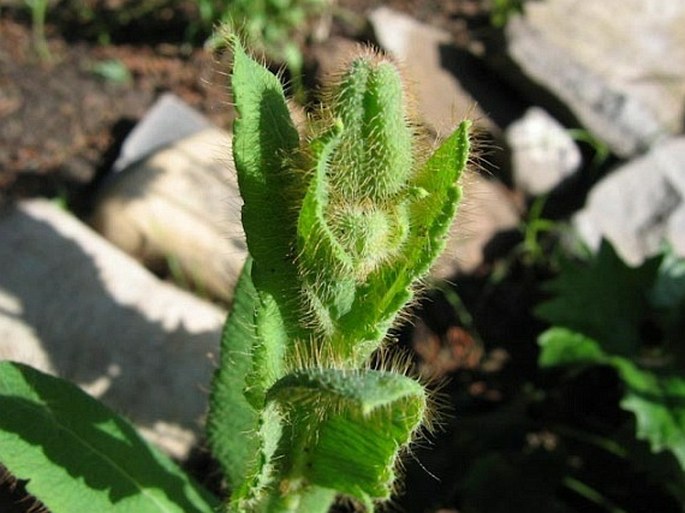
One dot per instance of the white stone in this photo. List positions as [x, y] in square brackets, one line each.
[180, 204]
[670, 160]
[543, 153]
[639, 206]
[73, 305]
[169, 120]
[618, 65]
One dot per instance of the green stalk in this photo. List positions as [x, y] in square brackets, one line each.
[39, 10]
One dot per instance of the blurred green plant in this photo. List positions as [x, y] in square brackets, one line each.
[39, 9]
[600, 148]
[539, 248]
[277, 29]
[604, 424]
[105, 20]
[502, 10]
[112, 70]
[604, 312]
[533, 227]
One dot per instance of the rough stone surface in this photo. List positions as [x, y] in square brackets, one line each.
[73, 305]
[640, 205]
[170, 119]
[543, 153]
[618, 65]
[180, 206]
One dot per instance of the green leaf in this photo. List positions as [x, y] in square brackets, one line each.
[561, 346]
[603, 299]
[79, 457]
[432, 214]
[657, 400]
[350, 427]
[232, 420]
[322, 259]
[257, 485]
[264, 141]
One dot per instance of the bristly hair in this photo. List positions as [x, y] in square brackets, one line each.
[9, 485]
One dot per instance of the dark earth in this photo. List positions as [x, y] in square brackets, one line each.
[62, 123]
[512, 441]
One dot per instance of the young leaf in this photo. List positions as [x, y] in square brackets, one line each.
[79, 457]
[435, 194]
[264, 141]
[232, 420]
[350, 425]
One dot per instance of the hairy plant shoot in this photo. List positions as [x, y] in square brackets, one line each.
[342, 216]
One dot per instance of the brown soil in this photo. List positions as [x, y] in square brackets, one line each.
[62, 123]
[61, 120]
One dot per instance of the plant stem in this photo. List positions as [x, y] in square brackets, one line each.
[39, 10]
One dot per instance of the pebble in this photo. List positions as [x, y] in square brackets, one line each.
[543, 153]
[180, 208]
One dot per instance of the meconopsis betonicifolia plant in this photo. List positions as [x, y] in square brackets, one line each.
[342, 217]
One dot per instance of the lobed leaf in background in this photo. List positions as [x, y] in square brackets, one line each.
[603, 299]
[80, 457]
[606, 313]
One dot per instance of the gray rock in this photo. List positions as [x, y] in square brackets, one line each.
[169, 120]
[618, 65]
[640, 205]
[180, 205]
[74, 305]
[543, 153]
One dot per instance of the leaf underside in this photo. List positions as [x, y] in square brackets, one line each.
[232, 420]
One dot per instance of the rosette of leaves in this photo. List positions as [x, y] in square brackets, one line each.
[342, 217]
